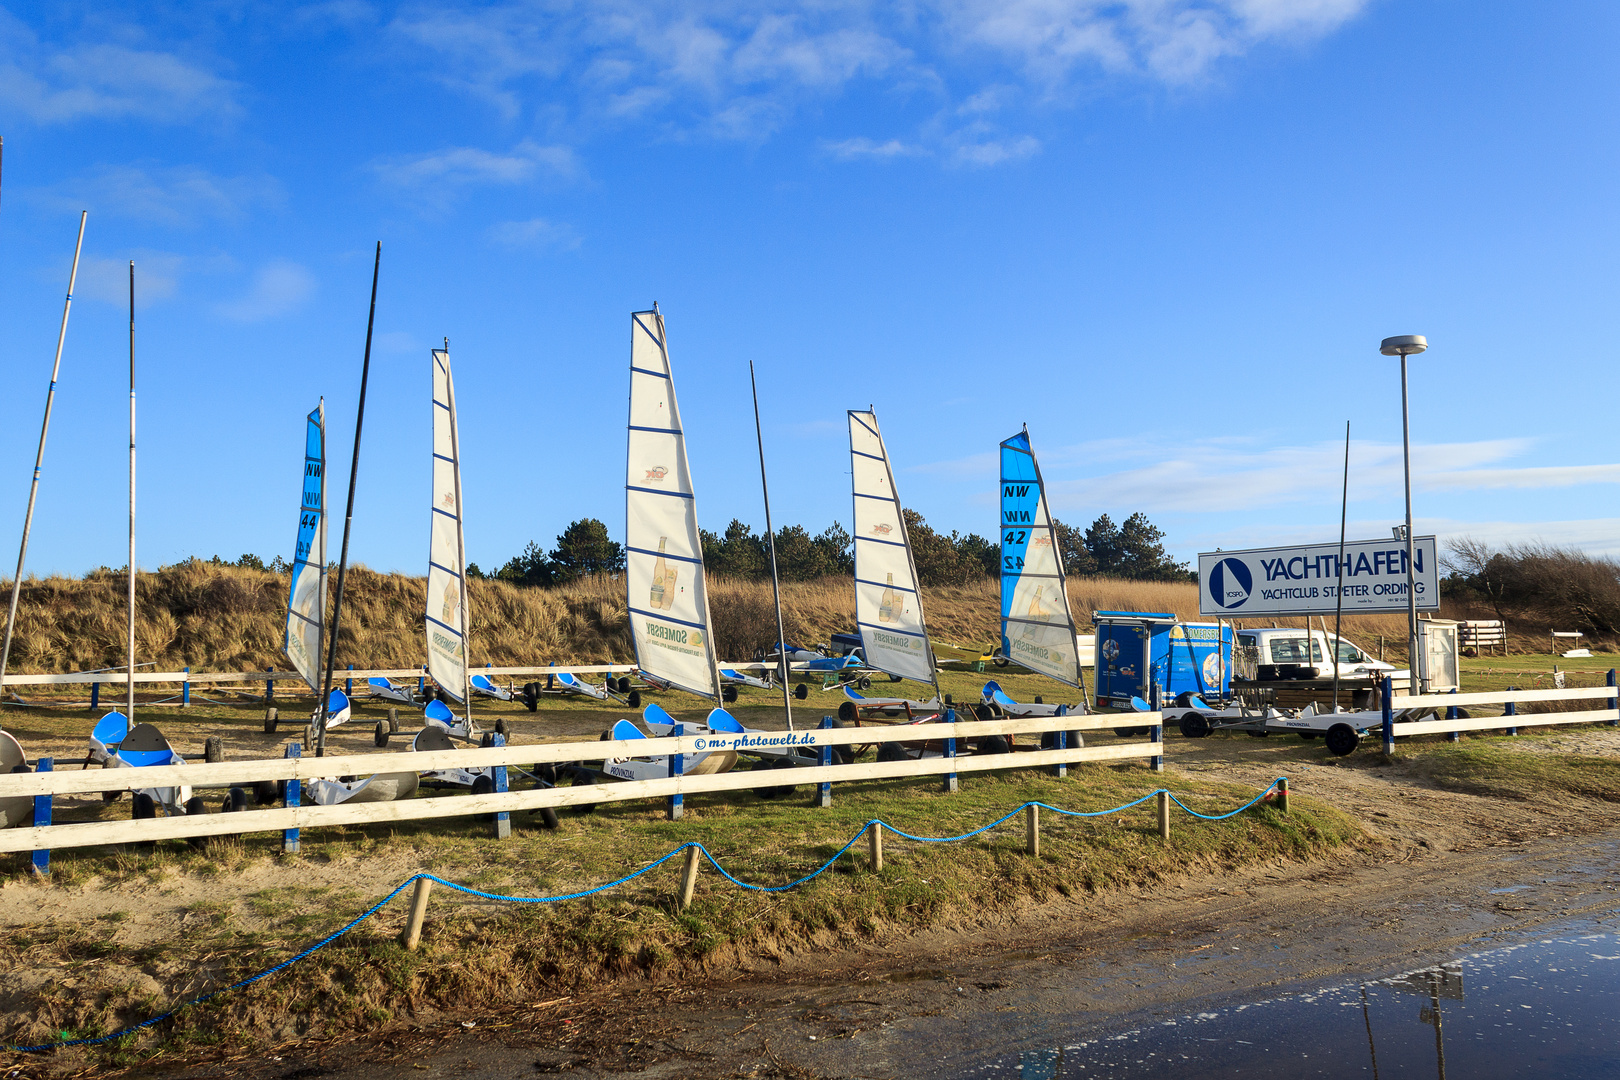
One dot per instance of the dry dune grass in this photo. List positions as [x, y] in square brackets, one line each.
[225, 618]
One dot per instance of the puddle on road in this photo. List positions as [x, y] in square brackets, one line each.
[1550, 1009]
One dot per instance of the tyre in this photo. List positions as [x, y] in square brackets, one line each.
[1262, 734]
[380, 735]
[213, 749]
[1308, 736]
[635, 699]
[236, 801]
[485, 741]
[624, 684]
[1194, 725]
[864, 682]
[846, 712]
[1038, 700]
[531, 696]
[992, 744]
[842, 755]
[270, 722]
[1341, 739]
[894, 678]
[1130, 732]
[501, 728]
[801, 691]
[143, 807]
[194, 807]
[764, 766]
[1000, 661]
[1074, 741]
[265, 793]
[548, 817]
[581, 777]
[483, 784]
[728, 693]
[784, 790]
[393, 721]
[546, 774]
[892, 752]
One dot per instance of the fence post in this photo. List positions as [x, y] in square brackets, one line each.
[824, 789]
[689, 874]
[874, 833]
[95, 696]
[348, 685]
[503, 819]
[1614, 704]
[1282, 794]
[949, 783]
[1389, 714]
[1511, 708]
[1164, 815]
[270, 686]
[421, 682]
[1451, 714]
[1158, 729]
[1061, 769]
[185, 689]
[289, 837]
[1032, 829]
[677, 766]
[41, 864]
[413, 923]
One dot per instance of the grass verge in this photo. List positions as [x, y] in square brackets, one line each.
[1491, 766]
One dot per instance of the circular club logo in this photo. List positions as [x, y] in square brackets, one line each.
[1110, 650]
[1230, 583]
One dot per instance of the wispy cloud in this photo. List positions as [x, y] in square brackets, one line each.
[49, 83]
[180, 196]
[278, 288]
[536, 234]
[437, 178]
[870, 149]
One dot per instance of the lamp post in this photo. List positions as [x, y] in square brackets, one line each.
[1404, 346]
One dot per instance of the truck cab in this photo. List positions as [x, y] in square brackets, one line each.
[1281, 653]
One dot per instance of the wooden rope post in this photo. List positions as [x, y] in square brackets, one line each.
[689, 875]
[1032, 829]
[413, 924]
[1164, 815]
[874, 834]
[1282, 794]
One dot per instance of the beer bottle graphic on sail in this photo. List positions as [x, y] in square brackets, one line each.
[889, 606]
[663, 582]
[1037, 611]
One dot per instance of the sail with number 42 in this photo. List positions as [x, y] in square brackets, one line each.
[447, 577]
[1037, 627]
[888, 606]
[668, 597]
[306, 599]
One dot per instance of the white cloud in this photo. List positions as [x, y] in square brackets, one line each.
[857, 148]
[157, 273]
[180, 196]
[985, 152]
[438, 176]
[280, 287]
[51, 84]
[536, 233]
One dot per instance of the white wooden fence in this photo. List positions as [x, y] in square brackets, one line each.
[46, 785]
[1510, 720]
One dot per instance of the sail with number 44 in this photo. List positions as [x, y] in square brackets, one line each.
[888, 605]
[447, 577]
[306, 598]
[668, 597]
[1037, 626]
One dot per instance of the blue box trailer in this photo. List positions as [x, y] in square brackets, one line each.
[1140, 650]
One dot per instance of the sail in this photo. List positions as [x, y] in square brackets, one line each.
[668, 598]
[1037, 628]
[888, 607]
[306, 599]
[447, 584]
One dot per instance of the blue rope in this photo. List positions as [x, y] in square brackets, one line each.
[470, 891]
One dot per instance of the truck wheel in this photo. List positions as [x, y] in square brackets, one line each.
[1341, 739]
[1194, 725]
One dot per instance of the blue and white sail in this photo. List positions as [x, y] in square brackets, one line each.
[306, 599]
[447, 576]
[668, 597]
[888, 605]
[1037, 627]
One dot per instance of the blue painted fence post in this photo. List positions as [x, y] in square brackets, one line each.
[289, 837]
[95, 695]
[421, 683]
[503, 819]
[677, 767]
[42, 816]
[1511, 709]
[1451, 714]
[824, 789]
[950, 784]
[1614, 704]
[1158, 729]
[1389, 715]
[270, 687]
[185, 689]
[1061, 769]
[348, 684]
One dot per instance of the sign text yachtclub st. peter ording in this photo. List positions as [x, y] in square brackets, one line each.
[1304, 579]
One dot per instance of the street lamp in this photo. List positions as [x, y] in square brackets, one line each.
[1404, 346]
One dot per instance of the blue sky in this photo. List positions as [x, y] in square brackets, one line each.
[1168, 235]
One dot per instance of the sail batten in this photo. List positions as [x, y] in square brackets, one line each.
[1037, 625]
[888, 603]
[306, 596]
[667, 593]
[446, 613]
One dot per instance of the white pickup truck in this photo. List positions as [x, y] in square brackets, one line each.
[1281, 653]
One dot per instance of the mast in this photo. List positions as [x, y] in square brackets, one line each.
[39, 458]
[348, 519]
[770, 535]
[129, 698]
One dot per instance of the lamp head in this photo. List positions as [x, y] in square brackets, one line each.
[1406, 345]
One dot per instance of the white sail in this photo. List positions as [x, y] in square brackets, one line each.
[306, 599]
[668, 598]
[1037, 627]
[447, 579]
[888, 606]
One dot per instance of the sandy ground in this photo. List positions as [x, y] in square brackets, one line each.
[1421, 892]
